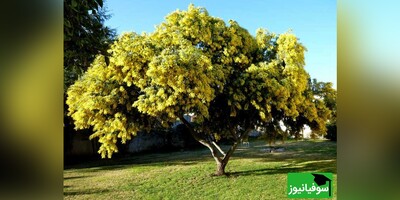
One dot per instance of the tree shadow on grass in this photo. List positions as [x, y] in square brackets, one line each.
[191, 157]
[134, 164]
[74, 177]
[305, 166]
[295, 152]
[73, 193]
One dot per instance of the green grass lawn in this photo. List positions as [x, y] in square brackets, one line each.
[253, 173]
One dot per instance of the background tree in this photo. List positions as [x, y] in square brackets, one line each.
[85, 36]
[319, 96]
[194, 63]
[326, 92]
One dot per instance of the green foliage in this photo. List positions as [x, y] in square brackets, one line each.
[326, 92]
[195, 63]
[329, 95]
[85, 36]
[331, 131]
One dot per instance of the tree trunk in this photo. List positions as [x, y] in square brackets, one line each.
[221, 161]
[296, 136]
[221, 168]
[284, 136]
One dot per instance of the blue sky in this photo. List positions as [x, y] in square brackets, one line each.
[313, 22]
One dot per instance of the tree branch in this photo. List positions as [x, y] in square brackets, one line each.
[204, 142]
[233, 133]
[230, 151]
[235, 144]
[212, 149]
[191, 130]
[219, 148]
[245, 134]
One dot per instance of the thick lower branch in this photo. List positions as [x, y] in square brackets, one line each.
[191, 130]
[245, 134]
[219, 148]
[235, 137]
[230, 152]
[235, 144]
[213, 148]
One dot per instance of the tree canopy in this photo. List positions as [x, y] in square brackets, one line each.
[195, 63]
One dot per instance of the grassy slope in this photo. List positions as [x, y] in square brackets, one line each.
[187, 175]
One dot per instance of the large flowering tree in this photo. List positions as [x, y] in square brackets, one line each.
[195, 63]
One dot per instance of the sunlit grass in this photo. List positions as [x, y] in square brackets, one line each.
[253, 174]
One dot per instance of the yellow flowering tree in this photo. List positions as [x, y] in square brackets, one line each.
[194, 63]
